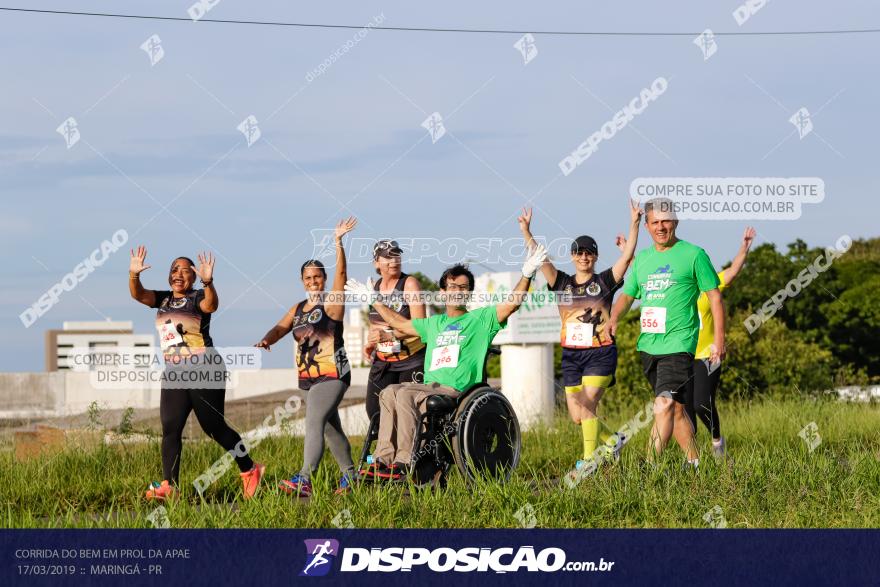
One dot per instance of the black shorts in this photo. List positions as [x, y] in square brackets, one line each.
[579, 363]
[669, 375]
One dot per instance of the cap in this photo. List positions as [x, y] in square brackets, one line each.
[585, 243]
[386, 248]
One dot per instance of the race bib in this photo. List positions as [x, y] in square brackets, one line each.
[391, 344]
[168, 335]
[653, 320]
[578, 334]
[389, 347]
[444, 356]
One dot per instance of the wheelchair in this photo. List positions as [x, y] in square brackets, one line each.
[477, 431]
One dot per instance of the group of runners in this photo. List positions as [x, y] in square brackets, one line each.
[413, 356]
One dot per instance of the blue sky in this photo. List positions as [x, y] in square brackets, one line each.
[167, 133]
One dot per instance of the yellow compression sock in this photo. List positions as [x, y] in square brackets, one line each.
[590, 428]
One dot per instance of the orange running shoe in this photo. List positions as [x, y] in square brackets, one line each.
[251, 480]
[160, 491]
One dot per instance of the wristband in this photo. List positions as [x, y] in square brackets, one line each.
[207, 283]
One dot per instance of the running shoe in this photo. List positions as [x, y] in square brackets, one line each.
[393, 472]
[297, 485]
[720, 449]
[346, 484]
[371, 470]
[251, 480]
[160, 491]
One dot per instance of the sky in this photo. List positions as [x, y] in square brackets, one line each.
[160, 156]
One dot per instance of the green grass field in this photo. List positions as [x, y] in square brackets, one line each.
[770, 480]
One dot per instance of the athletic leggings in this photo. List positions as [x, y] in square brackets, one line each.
[174, 408]
[702, 397]
[322, 419]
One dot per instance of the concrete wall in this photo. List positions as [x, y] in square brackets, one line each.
[64, 393]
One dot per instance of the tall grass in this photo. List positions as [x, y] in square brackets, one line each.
[770, 479]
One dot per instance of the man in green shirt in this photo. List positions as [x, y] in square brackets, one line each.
[457, 342]
[668, 278]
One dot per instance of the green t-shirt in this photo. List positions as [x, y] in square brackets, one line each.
[456, 347]
[669, 283]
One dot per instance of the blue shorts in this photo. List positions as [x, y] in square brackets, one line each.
[595, 362]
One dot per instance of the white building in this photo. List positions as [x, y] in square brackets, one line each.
[78, 338]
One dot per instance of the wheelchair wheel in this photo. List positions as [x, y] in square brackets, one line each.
[488, 441]
[427, 473]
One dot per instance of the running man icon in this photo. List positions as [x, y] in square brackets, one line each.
[320, 553]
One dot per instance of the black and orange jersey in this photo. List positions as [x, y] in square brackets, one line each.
[402, 353]
[586, 314]
[320, 350]
[184, 330]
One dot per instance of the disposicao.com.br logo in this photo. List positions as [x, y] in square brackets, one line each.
[321, 553]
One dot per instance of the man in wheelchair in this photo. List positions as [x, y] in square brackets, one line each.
[457, 342]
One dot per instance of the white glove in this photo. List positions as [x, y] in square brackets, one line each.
[360, 292]
[535, 259]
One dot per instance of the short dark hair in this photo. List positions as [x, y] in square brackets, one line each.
[312, 263]
[458, 270]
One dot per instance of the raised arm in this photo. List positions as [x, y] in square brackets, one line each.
[364, 291]
[525, 222]
[279, 331]
[736, 266]
[335, 305]
[411, 291]
[135, 267]
[210, 302]
[629, 246]
[536, 258]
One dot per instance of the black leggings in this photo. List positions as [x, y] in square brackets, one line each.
[174, 408]
[701, 397]
[381, 376]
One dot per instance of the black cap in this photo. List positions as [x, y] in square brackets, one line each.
[386, 248]
[585, 243]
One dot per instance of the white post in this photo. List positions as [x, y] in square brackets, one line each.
[527, 382]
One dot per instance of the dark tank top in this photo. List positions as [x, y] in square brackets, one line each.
[320, 350]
